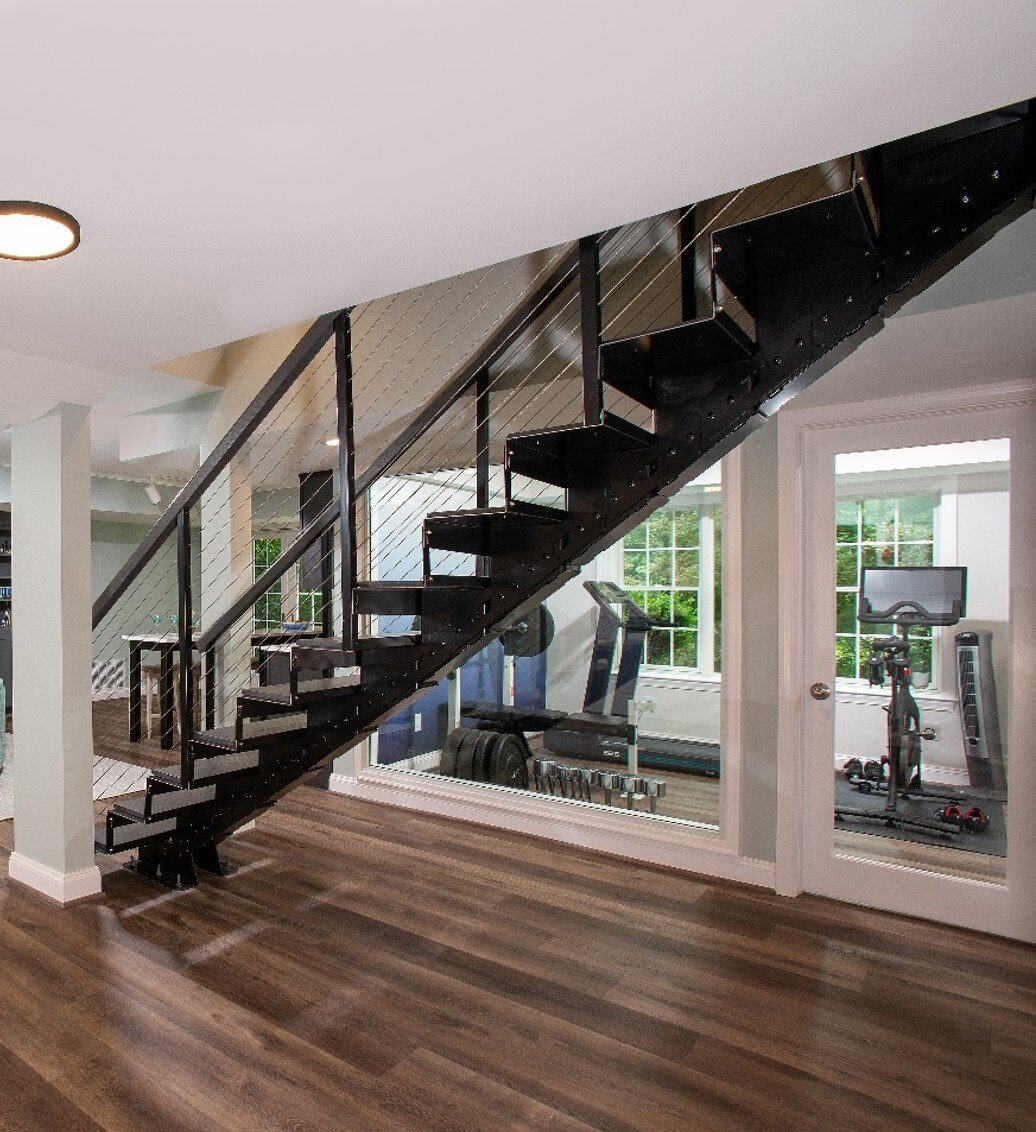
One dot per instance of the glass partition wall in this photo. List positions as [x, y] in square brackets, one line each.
[930, 700]
[549, 707]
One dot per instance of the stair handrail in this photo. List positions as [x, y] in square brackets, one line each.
[286, 374]
[516, 323]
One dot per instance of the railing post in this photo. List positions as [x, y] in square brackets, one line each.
[186, 617]
[687, 232]
[590, 324]
[346, 474]
[210, 687]
[482, 452]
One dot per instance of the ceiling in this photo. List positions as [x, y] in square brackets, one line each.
[242, 165]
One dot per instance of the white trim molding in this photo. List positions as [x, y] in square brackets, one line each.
[643, 837]
[62, 887]
[806, 859]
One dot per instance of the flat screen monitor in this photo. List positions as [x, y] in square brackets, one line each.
[913, 595]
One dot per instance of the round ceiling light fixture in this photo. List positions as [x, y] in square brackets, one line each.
[30, 230]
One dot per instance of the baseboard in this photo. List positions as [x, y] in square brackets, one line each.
[62, 887]
[657, 842]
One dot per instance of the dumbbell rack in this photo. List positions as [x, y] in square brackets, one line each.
[560, 780]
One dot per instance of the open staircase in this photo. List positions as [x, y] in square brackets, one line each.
[807, 285]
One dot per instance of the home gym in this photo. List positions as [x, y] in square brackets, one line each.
[609, 692]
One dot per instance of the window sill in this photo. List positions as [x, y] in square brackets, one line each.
[659, 676]
[850, 693]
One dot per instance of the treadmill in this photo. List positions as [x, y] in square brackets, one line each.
[602, 731]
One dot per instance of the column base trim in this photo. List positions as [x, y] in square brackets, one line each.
[59, 886]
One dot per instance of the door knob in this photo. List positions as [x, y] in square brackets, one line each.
[819, 690]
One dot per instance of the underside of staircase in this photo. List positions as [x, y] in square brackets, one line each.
[792, 293]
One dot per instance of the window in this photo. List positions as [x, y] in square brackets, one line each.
[878, 531]
[670, 567]
[267, 612]
[311, 604]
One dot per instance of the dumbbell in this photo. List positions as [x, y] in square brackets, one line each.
[633, 784]
[543, 771]
[656, 789]
[608, 781]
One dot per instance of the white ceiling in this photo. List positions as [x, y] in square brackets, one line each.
[242, 165]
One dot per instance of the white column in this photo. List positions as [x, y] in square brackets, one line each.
[760, 656]
[226, 570]
[50, 542]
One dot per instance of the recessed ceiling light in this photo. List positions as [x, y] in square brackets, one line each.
[29, 230]
[332, 442]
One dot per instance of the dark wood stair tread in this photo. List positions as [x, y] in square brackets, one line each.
[700, 344]
[809, 235]
[518, 514]
[254, 733]
[279, 695]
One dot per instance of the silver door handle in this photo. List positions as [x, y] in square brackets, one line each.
[819, 690]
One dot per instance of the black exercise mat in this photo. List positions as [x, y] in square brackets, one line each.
[993, 841]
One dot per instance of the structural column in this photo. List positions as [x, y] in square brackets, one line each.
[50, 541]
[760, 654]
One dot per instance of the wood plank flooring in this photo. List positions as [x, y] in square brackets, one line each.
[370, 968]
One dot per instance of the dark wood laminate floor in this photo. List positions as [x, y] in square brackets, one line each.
[371, 968]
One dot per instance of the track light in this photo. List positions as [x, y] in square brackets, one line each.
[153, 494]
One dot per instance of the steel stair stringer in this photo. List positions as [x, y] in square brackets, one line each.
[812, 310]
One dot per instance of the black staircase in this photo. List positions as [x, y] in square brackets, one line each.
[792, 293]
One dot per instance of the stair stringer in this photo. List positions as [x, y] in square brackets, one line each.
[842, 305]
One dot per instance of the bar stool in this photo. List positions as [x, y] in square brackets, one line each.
[151, 686]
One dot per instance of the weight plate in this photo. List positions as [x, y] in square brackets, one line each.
[508, 766]
[487, 743]
[448, 758]
[466, 752]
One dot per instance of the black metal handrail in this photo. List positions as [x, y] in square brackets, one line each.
[286, 374]
[516, 323]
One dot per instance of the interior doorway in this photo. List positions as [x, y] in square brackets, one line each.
[905, 747]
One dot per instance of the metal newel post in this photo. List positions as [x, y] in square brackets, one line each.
[186, 617]
[590, 324]
[346, 474]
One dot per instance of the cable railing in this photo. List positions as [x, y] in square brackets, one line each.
[523, 375]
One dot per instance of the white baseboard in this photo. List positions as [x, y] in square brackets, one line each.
[62, 887]
[655, 841]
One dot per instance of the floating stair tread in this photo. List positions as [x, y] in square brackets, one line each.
[215, 766]
[130, 811]
[517, 515]
[308, 691]
[807, 235]
[363, 644]
[176, 801]
[255, 733]
[131, 834]
[700, 344]
[460, 581]
[614, 434]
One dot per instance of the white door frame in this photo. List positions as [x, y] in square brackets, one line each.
[807, 440]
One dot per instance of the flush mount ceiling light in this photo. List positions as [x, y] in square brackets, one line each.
[332, 442]
[29, 230]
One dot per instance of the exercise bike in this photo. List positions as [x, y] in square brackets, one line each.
[907, 596]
